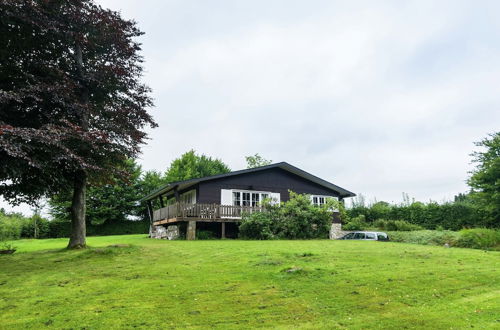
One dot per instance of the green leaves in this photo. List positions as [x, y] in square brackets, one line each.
[190, 166]
[485, 179]
[295, 219]
[256, 161]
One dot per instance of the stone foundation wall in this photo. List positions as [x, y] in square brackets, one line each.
[336, 231]
[173, 232]
[160, 232]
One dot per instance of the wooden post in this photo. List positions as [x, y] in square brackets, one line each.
[191, 231]
[162, 204]
[176, 194]
[223, 235]
[150, 213]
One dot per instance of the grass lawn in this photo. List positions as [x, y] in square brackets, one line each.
[232, 283]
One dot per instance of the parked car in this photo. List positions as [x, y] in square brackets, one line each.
[367, 236]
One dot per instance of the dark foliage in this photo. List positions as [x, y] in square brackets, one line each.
[71, 103]
[125, 227]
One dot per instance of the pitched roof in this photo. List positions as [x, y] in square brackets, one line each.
[283, 165]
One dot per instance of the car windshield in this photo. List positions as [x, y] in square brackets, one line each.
[348, 236]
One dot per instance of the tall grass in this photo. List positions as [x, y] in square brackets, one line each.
[479, 238]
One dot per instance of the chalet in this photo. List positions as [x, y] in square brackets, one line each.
[218, 201]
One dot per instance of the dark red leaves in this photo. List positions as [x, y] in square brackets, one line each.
[57, 117]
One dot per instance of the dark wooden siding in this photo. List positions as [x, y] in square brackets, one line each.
[272, 180]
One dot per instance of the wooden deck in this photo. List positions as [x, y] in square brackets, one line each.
[201, 212]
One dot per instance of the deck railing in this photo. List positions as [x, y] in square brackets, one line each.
[203, 211]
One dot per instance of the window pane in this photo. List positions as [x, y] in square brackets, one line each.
[245, 201]
[370, 236]
[315, 200]
[236, 198]
[321, 200]
[255, 199]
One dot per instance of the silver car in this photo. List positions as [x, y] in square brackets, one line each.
[367, 236]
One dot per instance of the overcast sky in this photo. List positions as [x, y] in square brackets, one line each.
[379, 97]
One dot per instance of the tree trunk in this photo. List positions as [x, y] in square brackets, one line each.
[78, 230]
[77, 238]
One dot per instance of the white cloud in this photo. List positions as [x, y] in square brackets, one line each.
[380, 97]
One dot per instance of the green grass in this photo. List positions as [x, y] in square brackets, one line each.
[245, 284]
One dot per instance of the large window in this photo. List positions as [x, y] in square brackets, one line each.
[249, 198]
[319, 199]
[236, 198]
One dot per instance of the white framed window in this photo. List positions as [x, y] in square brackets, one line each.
[236, 198]
[246, 197]
[319, 200]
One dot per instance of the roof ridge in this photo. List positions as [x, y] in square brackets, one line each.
[283, 165]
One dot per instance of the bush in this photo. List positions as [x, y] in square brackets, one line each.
[356, 223]
[298, 218]
[479, 238]
[295, 219]
[41, 225]
[10, 226]
[396, 225]
[205, 235]
[258, 225]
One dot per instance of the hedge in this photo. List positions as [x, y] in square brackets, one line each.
[451, 216]
[15, 226]
[62, 228]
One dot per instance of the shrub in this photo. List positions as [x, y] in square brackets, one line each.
[380, 224]
[7, 246]
[295, 219]
[298, 218]
[41, 225]
[479, 238]
[258, 225]
[356, 223]
[10, 226]
[205, 235]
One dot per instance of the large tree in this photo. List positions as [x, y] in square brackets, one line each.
[485, 179]
[72, 106]
[257, 161]
[190, 165]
